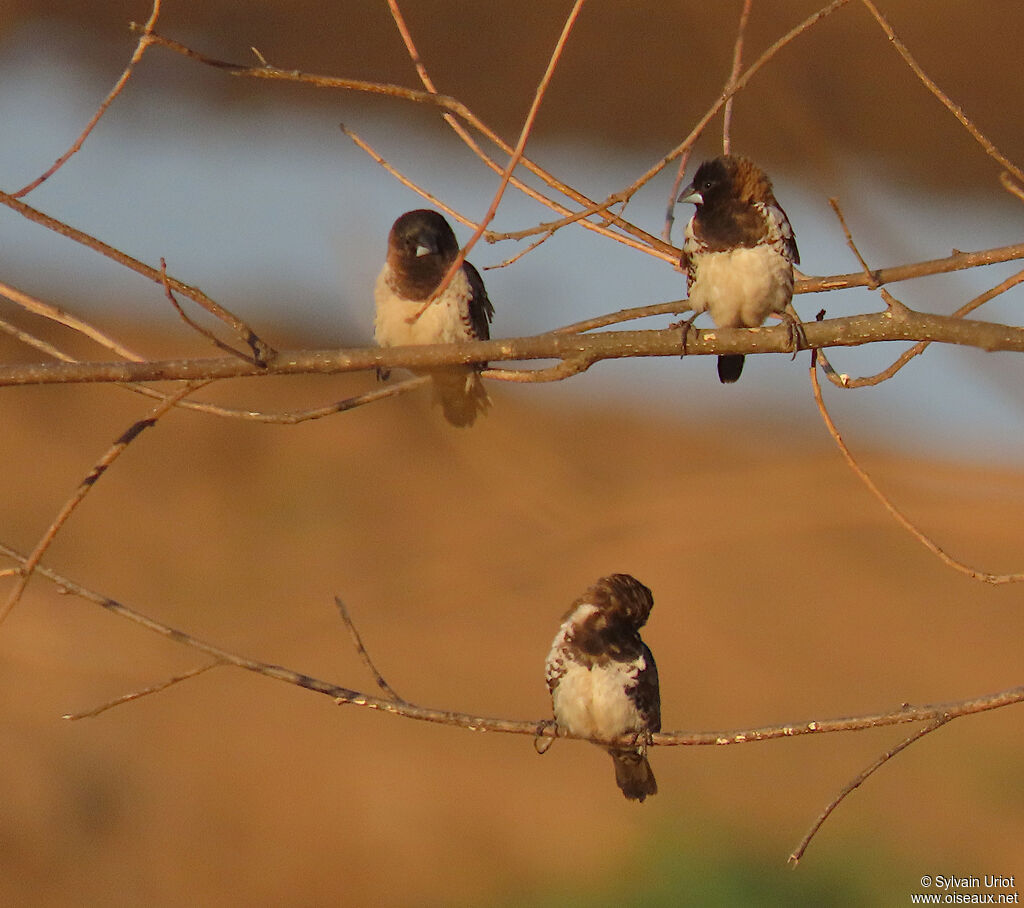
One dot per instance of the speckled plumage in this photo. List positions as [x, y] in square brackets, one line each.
[603, 679]
[421, 249]
[739, 249]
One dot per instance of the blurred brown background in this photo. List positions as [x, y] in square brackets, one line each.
[783, 592]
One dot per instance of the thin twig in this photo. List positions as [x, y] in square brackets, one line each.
[365, 146]
[144, 692]
[856, 782]
[517, 154]
[947, 102]
[898, 516]
[673, 194]
[55, 313]
[549, 227]
[676, 307]
[262, 352]
[872, 283]
[905, 714]
[194, 325]
[631, 235]
[140, 49]
[1011, 186]
[958, 261]
[565, 369]
[357, 642]
[85, 487]
[737, 86]
[737, 63]
[844, 381]
[62, 317]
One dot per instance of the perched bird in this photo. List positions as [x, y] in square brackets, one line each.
[602, 677]
[421, 249]
[739, 250]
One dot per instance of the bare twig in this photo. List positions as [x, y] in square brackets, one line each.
[905, 714]
[872, 282]
[140, 49]
[958, 261]
[84, 488]
[860, 778]
[631, 235]
[736, 86]
[60, 316]
[1010, 186]
[921, 346]
[898, 516]
[947, 102]
[262, 352]
[365, 146]
[517, 154]
[195, 326]
[144, 692]
[357, 642]
[565, 369]
[737, 63]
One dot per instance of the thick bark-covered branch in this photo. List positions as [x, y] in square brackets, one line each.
[580, 349]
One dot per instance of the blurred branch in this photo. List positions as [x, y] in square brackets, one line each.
[84, 487]
[631, 234]
[58, 315]
[734, 74]
[514, 158]
[733, 86]
[140, 49]
[947, 102]
[261, 352]
[899, 516]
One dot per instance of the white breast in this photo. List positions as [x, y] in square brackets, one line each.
[593, 703]
[445, 321]
[741, 287]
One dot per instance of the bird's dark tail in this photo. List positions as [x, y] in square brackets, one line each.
[633, 774]
[461, 394]
[730, 367]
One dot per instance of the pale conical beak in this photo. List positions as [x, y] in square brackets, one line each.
[690, 194]
[422, 249]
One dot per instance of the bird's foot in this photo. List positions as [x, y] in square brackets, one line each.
[797, 337]
[685, 325]
[541, 743]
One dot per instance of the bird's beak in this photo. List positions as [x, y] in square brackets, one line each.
[690, 194]
[425, 249]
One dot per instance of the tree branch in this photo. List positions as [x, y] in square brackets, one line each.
[261, 351]
[839, 332]
[536, 727]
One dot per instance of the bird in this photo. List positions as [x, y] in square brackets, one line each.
[603, 679]
[421, 249]
[738, 252]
